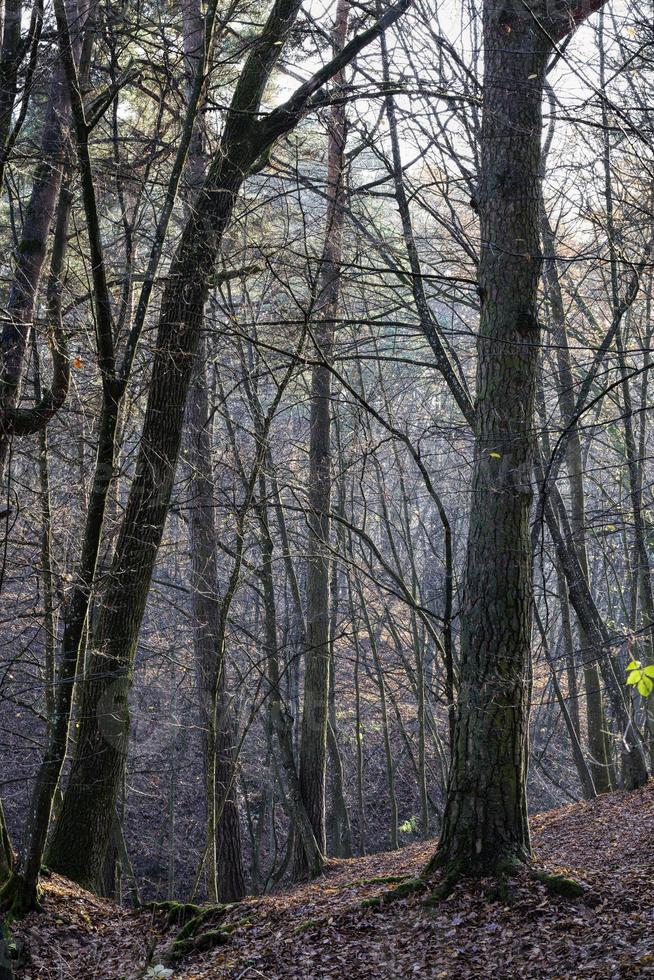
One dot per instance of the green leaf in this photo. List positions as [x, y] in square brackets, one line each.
[649, 671]
[634, 665]
[634, 676]
[645, 686]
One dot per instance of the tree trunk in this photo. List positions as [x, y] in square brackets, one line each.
[24, 886]
[82, 832]
[485, 822]
[6, 851]
[225, 866]
[634, 764]
[596, 726]
[279, 715]
[225, 861]
[341, 832]
[313, 744]
[32, 249]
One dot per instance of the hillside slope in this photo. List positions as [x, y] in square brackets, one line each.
[324, 929]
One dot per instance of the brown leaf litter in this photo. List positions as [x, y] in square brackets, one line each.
[321, 930]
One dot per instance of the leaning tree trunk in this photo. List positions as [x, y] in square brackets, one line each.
[82, 833]
[32, 249]
[598, 742]
[83, 830]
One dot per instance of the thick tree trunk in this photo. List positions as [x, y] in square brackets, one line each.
[485, 823]
[83, 830]
[82, 833]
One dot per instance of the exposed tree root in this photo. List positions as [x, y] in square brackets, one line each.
[191, 938]
[555, 882]
[18, 897]
[559, 884]
[379, 880]
[206, 940]
[177, 913]
[409, 886]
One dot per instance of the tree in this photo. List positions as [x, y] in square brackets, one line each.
[162, 622]
[485, 826]
[82, 832]
[313, 746]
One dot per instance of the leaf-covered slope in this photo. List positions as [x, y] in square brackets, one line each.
[330, 928]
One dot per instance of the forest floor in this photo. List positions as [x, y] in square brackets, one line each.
[325, 929]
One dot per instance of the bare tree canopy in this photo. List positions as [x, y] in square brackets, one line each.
[327, 518]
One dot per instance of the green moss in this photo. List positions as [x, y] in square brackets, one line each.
[452, 876]
[193, 924]
[177, 913]
[206, 940]
[17, 899]
[406, 888]
[309, 924]
[242, 924]
[559, 884]
[9, 947]
[510, 867]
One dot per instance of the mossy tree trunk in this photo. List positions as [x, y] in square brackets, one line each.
[485, 823]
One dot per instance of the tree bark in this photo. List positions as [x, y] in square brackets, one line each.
[32, 249]
[313, 744]
[225, 865]
[596, 726]
[485, 822]
[485, 825]
[82, 832]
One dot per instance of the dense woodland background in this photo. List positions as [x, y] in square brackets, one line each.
[320, 301]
